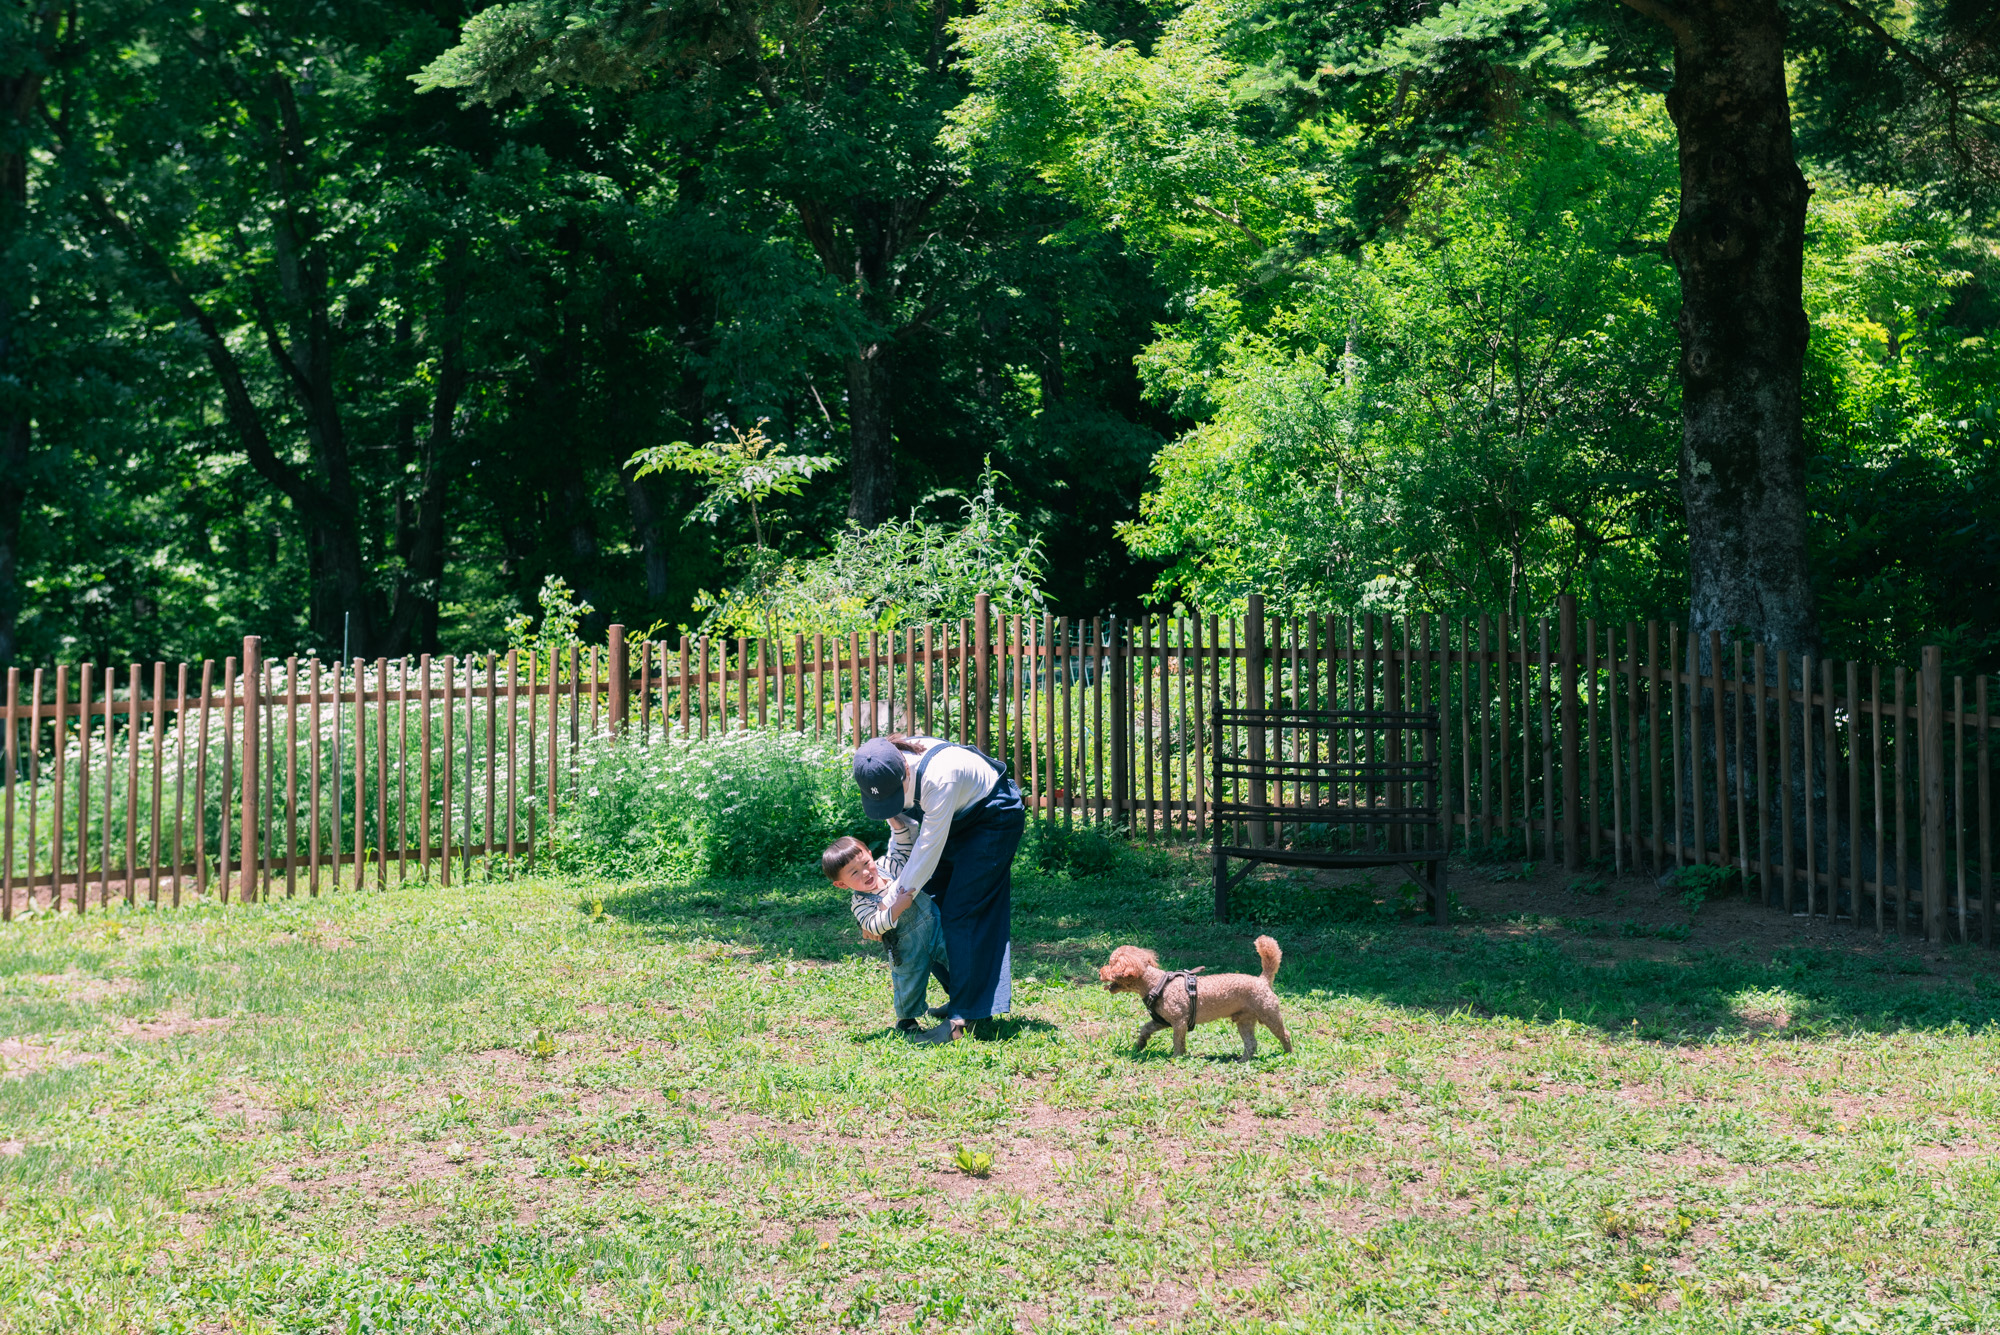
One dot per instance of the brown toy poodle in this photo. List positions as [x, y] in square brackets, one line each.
[1179, 1001]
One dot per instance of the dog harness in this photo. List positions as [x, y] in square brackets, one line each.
[1153, 997]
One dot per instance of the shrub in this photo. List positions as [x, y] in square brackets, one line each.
[1075, 852]
[1092, 851]
[899, 573]
[1701, 883]
[753, 801]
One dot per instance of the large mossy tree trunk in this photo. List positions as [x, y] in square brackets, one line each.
[1739, 245]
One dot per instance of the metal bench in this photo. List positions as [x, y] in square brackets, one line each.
[1328, 788]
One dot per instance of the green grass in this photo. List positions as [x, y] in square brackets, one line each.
[549, 1107]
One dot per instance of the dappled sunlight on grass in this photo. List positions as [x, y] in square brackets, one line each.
[614, 1107]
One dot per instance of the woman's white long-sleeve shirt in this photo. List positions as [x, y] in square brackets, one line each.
[955, 779]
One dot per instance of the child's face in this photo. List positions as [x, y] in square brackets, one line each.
[861, 874]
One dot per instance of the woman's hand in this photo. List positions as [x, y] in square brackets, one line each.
[867, 935]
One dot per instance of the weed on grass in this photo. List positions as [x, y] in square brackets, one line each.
[641, 1106]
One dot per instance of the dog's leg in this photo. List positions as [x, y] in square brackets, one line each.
[1246, 1025]
[1180, 1039]
[1146, 1032]
[1276, 1024]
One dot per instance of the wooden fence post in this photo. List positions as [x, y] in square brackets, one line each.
[982, 651]
[1566, 650]
[1115, 681]
[1930, 725]
[1253, 650]
[621, 668]
[246, 838]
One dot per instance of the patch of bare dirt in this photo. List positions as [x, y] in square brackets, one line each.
[236, 1104]
[171, 1024]
[85, 989]
[566, 1049]
[21, 1056]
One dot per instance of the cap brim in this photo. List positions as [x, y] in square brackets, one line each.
[881, 808]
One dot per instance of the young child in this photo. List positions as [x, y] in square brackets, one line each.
[908, 926]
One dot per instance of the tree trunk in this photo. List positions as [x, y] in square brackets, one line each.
[1739, 244]
[413, 625]
[20, 96]
[305, 365]
[16, 439]
[649, 526]
[871, 452]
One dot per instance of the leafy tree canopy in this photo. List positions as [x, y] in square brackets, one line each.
[368, 319]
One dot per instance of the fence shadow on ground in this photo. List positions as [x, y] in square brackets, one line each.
[1372, 943]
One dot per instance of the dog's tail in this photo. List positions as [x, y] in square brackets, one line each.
[1267, 951]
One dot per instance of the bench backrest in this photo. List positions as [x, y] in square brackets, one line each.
[1358, 778]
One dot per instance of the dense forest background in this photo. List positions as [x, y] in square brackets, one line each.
[351, 322]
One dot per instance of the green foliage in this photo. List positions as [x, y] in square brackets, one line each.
[562, 616]
[1903, 412]
[1472, 413]
[760, 800]
[899, 573]
[746, 469]
[1090, 851]
[1424, 312]
[1703, 882]
[287, 337]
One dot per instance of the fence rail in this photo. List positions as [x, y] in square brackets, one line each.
[1851, 791]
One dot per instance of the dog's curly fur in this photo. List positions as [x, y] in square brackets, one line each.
[1245, 998]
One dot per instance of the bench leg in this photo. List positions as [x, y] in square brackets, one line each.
[1221, 888]
[1440, 901]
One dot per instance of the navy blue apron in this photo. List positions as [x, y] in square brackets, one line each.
[976, 898]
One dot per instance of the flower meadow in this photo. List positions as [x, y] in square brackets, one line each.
[741, 803]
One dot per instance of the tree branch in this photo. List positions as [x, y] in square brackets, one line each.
[1237, 223]
[1663, 12]
[1932, 75]
[310, 501]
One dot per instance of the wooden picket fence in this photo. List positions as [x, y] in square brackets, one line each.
[1843, 791]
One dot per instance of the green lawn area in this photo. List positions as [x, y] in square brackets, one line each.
[549, 1107]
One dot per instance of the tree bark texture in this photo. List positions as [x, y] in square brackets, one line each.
[871, 448]
[1739, 245]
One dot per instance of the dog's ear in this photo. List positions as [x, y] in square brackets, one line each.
[1123, 966]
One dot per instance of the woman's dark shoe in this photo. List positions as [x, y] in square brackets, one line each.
[906, 1026]
[939, 1012]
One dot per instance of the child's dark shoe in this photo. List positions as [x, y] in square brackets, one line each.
[906, 1026]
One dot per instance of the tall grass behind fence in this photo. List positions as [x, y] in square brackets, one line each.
[1843, 790]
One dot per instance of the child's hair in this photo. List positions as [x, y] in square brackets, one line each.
[838, 854]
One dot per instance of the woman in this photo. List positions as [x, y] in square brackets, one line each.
[955, 821]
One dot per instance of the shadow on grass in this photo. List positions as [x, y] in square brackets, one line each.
[1345, 944]
[1005, 1029]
